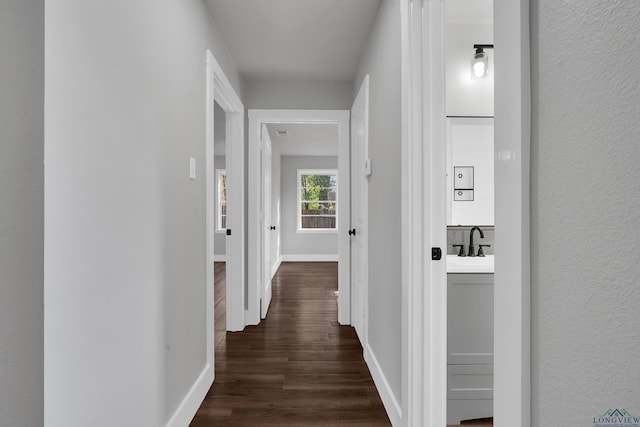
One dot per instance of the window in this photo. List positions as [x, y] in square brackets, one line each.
[317, 200]
[221, 204]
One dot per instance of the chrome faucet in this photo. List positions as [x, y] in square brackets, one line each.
[472, 251]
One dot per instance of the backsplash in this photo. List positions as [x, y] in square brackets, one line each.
[457, 235]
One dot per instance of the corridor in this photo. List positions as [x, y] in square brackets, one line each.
[298, 367]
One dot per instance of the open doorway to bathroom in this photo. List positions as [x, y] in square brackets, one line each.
[470, 211]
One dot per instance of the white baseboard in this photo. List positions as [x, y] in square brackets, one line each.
[219, 258]
[276, 266]
[192, 400]
[391, 405]
[310, 258]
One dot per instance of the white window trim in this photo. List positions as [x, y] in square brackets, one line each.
[299, 228]
[219, 173]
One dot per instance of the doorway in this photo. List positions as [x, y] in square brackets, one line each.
[224, 196]
[258, 290]
[470, 221]
[424, 340]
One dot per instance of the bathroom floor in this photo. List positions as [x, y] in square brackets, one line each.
[484, 422]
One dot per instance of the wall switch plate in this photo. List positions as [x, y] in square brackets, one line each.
[463, 195]
[192, 168]
[367, 167]
[463, 177]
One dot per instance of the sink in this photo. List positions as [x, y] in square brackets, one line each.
[457, 264]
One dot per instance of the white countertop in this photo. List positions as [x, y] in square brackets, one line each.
[457, 264]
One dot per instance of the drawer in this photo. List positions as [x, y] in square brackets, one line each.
[469, 382]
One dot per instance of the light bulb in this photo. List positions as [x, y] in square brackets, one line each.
[479, 65]
[478, 69]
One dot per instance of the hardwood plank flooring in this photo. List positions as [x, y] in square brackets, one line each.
[220, 300]
[298, 367]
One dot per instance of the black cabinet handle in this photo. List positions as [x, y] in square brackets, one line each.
[273, 227]
[352, 232]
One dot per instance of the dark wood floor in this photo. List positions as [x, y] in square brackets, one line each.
[298, 367]
[220, 301]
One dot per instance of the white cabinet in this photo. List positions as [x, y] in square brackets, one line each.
[469, 346]
[470, 154]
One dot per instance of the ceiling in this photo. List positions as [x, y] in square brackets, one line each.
[469, 11]
[295, 40]
[308, 139]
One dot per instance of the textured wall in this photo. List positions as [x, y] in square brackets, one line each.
[585, 194]
[21, 212]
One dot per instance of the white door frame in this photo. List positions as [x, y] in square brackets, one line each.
[219, 90]
[256, 119]
[423, 203]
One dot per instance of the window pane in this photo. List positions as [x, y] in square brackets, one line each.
[315, 222]
[318, 201]
[318, 208]
[221, 222]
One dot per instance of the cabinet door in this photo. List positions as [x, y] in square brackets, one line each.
[470, 319]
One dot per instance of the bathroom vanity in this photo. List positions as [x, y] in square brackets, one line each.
[470, 338]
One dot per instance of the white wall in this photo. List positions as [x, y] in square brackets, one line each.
[381, 59]
[299, 95]
[21, 212]
[585, 208]
[125, 237]
[293, 242]
[466, 96]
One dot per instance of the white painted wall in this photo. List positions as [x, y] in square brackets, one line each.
[381, 59]
[125, 237]
[299, 95]
[301, 243]
[21, 212]
[470, 143]
[585, 210]
[466, 96]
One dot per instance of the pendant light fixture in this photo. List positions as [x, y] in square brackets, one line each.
[480, 61]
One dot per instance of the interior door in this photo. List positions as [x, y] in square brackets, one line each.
[265, 294]
[360, 170]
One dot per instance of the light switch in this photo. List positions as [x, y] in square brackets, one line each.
[463, 177]
[463, 195]
[367, 167]
[192, 168]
